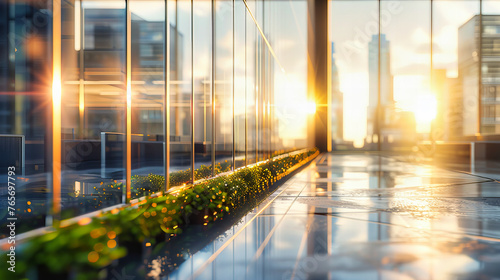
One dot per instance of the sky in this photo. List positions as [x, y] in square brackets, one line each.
[285, 26]
[407, 27]
[405, 23]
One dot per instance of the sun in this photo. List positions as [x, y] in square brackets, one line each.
[425, 108]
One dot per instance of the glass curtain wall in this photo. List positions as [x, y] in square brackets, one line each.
[289, 106]
[223, 85]
[251, 87]
[454, 73]
[489, 61]
[25, 111]
[433, 76]
[147, 86]
[181, 88]
[239, 85]
[202, 72]
[407, 104]
[203, 77]
[93, 104]
[354, 73]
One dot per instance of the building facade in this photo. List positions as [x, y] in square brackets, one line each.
[386, 85]
[94, 93]
[479, 65]
[337, 102]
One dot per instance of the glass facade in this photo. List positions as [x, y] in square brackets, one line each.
[105, 104]
[431, 77]
[118, 92]
[25, 102]
[100, 96]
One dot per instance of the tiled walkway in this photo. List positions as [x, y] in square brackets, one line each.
[362, 217]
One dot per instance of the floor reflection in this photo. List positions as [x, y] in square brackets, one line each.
[362, 217]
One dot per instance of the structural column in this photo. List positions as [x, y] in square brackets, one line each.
[128, 108]
[317, 73]
[166, 101]
[56, 111]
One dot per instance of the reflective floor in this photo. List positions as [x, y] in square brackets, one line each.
[362, 217]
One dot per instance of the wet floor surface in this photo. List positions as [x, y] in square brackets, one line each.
[362, 217]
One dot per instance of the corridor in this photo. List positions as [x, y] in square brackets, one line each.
[362, 216]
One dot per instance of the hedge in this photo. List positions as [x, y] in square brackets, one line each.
[83, 248]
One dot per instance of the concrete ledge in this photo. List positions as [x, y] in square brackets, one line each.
[471, 151]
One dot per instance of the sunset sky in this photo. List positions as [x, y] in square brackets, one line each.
[406, 25]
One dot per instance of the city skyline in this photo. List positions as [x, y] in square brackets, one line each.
[409, 33]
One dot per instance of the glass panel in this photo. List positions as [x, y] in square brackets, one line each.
[179, 16]
[25, 87]
[266, 80]
[407, 104]
[455, 69]
[93, 105]
[260, 51]
[148, 64]
[287, 25]
[239, 83]
[224, 84]
[251, 85]
[489, 104]
[203, 87]
[354, 75]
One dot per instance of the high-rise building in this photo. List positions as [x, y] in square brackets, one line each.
[24, 88]
[481, 113]
[396, 129]
[453, 117]
[24, 56]
[337, 103]
[439, 88]
[386, 87]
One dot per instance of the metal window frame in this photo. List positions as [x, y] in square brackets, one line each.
[263, 123]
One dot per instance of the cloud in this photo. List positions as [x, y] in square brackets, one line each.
[420, 36]
[426, 48]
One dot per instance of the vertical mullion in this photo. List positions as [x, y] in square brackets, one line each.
[269, 85]
[166, 100]
[128, 124]
[432, 88]
[329, 97]
[234, 123]
[378, 110]
[269, 90]
[56, 109]
[263, 61]
[480, 74]
[81, 57]
[246, 105]
[257, 88]
[269, 80]
[213, 88]
[192, 94]
[432, 41]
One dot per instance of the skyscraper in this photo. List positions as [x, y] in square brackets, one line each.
[337, 103]
[438, 87]
[480, 112]
[386, 90]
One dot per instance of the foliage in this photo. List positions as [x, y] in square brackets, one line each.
[84, 247]
[110, 193]
[152, 183]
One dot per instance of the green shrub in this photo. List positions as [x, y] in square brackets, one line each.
[83, 247]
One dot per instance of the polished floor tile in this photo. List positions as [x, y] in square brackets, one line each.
[363, 217]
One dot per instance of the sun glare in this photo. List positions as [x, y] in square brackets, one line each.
[310, 107]
[425, 108]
